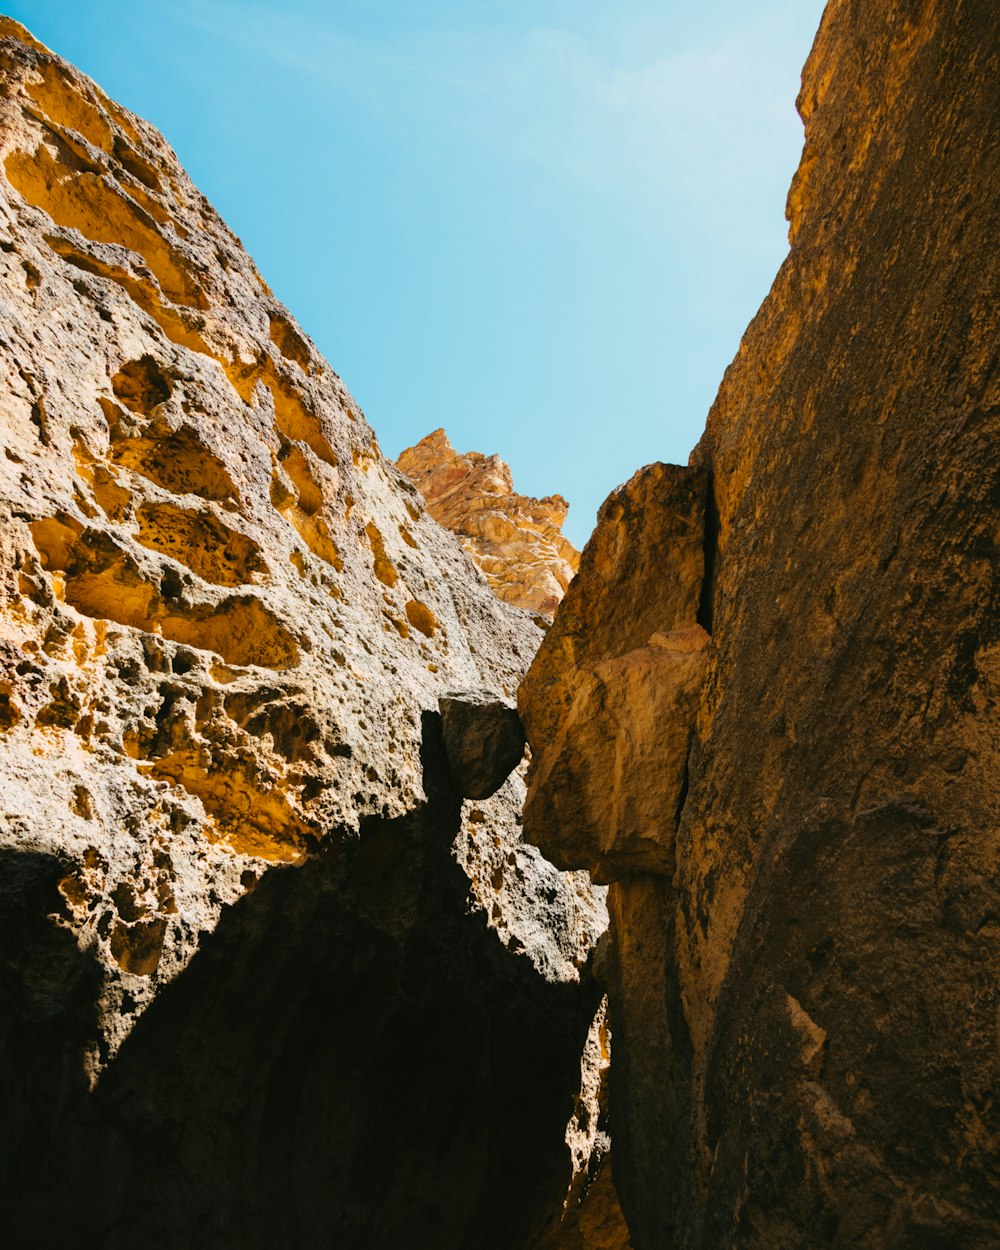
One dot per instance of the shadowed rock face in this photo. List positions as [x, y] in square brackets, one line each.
[803, 987]
[483, 741]
[265, 979]
[352, 1058]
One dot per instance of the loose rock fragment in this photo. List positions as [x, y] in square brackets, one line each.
[483, 739]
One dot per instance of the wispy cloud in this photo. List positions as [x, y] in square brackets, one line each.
[700, 133]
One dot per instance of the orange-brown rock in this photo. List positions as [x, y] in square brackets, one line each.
[635, 713]
[803, 983]
[609, 703]
[265, 978]
[590, 1216]
[514, 539]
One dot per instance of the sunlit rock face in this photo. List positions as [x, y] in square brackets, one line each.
[514, 539]
[265, 978]
[609, 700]
[803, 957]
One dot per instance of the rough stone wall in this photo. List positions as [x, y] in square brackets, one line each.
[803, 964]
[265, 978]
[514, 539]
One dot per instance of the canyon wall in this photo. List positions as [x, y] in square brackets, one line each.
[766, 710]
[268, 977]
[514, 539]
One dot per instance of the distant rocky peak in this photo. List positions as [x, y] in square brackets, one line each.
[516, 540]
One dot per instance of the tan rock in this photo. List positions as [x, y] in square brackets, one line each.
[610, 702]
[804, 1008]
[248, 926]
[615, 776]
[590, 1217]
[483, 740]
[514, 539]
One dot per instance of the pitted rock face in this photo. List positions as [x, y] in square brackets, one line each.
[514, 539]
[225, 609]
[237, 874]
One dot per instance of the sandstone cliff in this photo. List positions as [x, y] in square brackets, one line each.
[766, 710]
[514, 539]
[266, 978]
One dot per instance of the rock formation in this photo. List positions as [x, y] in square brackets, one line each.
[766, 710]
[515, 540]
[483, 741]
[265, 979]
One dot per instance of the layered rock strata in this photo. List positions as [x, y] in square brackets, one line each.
[766, 709]
[515, 540]
[265, 978]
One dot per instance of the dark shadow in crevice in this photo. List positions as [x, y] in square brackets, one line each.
[352, 1059]
[685, 785]
[710, 549]
[49, 991]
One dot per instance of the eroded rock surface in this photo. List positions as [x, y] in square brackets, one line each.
[803, 985]
[514, 539]
[610, 701]
[591, 1218]
[483, 740]
[266, 979]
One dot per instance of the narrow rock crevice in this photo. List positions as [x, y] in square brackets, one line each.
[685, 785]
[710, 551]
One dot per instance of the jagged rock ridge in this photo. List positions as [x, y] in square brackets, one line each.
[766, 709]
[514, 539]
[266, 978]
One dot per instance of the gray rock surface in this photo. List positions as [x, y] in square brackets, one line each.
[483, 740]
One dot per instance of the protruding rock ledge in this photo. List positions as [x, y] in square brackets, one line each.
[483, 740]
[610, 788]
[610, 700]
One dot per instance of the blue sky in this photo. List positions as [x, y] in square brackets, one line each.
[542, 224]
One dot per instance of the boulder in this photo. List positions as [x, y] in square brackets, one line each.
[483, 740]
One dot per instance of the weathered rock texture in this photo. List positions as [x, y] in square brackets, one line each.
[483, 740]
[803, 964]
[591, 1218]
[514, 539]
[617, 680]
[265, 979]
